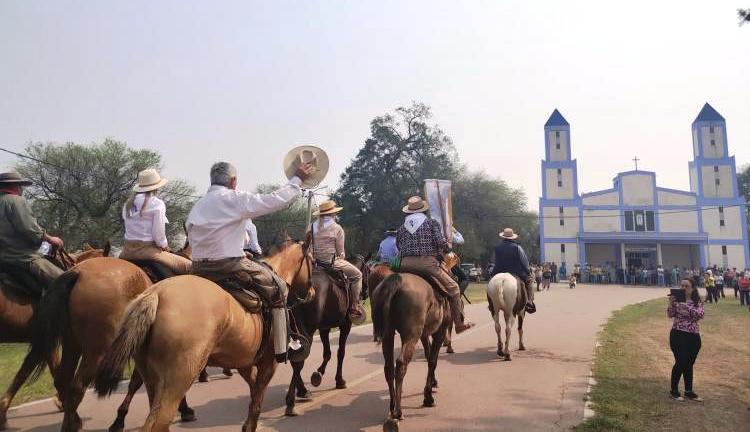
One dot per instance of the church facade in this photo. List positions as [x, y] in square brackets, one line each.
[638, 223]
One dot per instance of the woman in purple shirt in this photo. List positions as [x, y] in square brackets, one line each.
[685, 339]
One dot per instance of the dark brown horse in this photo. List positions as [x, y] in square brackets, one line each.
[407, 304]
[16, 312]
[327, 310]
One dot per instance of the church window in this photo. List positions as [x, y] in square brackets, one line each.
[721, 217]
[723, 250]
[650, 221]
[711, 129]
[557, 146]
[718, 182]
[559, 183]
[629, 221]
[640, 221]
[562, 222]
[557, 134]
[716, 168]
[562, 247]
[561, 210]
[713, 142]
[559, 171]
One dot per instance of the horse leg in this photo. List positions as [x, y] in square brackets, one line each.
[508, 328]
[290, 394]
[203, 376]
[520, 332]
[499, 331]
[136, 381]
[266, 366]
[341, 354]
[75, 392]
[426, 345]
[317, 376]
[166, 386]
[402, 364]
[449, 340]
[437, 342]
[21, 376]
[390, 371]
[187, 414]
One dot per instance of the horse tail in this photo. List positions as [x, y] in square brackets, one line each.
[495, 292]
[134, 329]
[381, 302]
[50, 321]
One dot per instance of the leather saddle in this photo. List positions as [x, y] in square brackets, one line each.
[250, 300]
[337, 276]
[436, 286]
[154, 270]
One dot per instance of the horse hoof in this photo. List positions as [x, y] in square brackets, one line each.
[291, 412]
[428, 404]
[117, 427]
[521, 348]
[203, 377]
[188, 416]
[58, 405]
[316, 379]
[449, 350]
[341, 384]
[390, 425]
[305, 397]
[227, 372]
[507, 357]
[500, 353]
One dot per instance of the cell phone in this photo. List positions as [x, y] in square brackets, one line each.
[678, 294]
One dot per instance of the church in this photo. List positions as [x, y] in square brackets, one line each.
[638, 223]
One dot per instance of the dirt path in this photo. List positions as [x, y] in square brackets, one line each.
[542, 389]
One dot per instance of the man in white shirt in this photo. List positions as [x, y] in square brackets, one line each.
[251, 239]
[216, 231]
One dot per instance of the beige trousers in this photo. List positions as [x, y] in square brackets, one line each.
[431, 266]
[135, 250]
[353, 275]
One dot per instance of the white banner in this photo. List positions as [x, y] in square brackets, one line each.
[438, 194]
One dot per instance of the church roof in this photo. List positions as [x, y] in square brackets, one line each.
[708, 113]
[556, 119]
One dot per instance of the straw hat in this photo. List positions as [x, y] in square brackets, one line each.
[149, 180]
[508, 234]
[327, 207]
[14, 178]
[307, 154]
[416, 205]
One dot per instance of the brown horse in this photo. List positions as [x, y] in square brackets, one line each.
[170, 350]
[81, 313]
[16, 312]
[407, 304]
[327, 310]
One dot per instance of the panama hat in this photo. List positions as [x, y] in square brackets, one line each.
[416, 205]
[307, 154]
[327, 207]
[14, 178]
[149, 180]
[508, 234]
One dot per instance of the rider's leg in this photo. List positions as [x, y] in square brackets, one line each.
[354, 277]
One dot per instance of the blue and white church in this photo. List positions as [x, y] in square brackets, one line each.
[636, 222]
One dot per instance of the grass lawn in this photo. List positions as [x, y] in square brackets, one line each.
[634, 362]
[11, 356]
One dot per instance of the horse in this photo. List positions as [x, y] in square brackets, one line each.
[16, 312]
[170, 351]
[376, 275]
[504, 293]
[408, 304]
[328, 310]
[81, 313]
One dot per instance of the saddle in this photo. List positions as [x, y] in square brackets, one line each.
[20, 282]
[337, 276]
[154, 270]
[250, 300]
[436, 286]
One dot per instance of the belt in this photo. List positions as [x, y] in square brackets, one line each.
[209, 260]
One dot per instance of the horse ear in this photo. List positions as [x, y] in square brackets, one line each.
[107, 248]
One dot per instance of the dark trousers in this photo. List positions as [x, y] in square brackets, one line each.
[745, 298]
[685, 347]
[720, 289]
[712, 295]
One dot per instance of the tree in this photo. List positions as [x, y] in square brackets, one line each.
[743, 15]
[482, 207]
[275, 227]
[743, 187]
[79, 190]
[403, 149]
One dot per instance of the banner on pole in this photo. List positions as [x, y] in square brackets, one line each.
[438, 194]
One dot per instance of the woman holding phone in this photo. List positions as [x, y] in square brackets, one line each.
[686, 309]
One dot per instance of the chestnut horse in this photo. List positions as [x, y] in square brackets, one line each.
[328, 310]
[82, 314]
[170, 350]
[407, 304]
[16, 312]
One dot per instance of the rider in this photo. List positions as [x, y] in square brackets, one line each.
[145, 217]
[216, 231]
[421, 243]
[388, 250]
[511, 258]
[328, 248]
[252, 244]
[21, 236]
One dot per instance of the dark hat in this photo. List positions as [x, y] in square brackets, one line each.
[13, 177]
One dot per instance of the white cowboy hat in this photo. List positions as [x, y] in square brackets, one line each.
[327, 207]
[307, 154]
[149, 180]
[13, 177]
[508, 234]
[416, 205]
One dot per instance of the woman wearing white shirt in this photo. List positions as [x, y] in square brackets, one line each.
[145, 217]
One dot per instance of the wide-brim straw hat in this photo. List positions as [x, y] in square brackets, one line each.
[149, 180]
[307, 154]
[508, 233]
[13, 178]
[327, 207]
[416, 204]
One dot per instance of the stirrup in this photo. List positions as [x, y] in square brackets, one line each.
[358, 318]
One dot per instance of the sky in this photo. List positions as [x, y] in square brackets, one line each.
[246, 81]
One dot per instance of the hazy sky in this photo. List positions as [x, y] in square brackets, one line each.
[246, 81]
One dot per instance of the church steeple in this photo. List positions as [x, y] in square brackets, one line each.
[712, 169]
[557, 138]
[558, 167]
[556, 119]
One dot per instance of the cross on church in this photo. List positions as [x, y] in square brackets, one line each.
[635, 159]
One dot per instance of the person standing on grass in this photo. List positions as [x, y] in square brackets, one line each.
[710, 284]
[719, 285]
[685, 339]
[744, 289]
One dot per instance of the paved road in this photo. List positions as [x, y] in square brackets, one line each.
[542, 389]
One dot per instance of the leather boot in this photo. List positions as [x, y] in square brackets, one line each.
[458, 315]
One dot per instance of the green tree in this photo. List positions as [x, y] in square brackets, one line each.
[276, 227]
[743, 187]
[79, 190]
[403, 149]
[482, 207]
[743, 15]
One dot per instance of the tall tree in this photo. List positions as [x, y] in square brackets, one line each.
[743, 15]
[743, 187]
[275, 227]
[403, 149]
[79, 190]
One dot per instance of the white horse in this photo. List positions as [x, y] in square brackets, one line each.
[504, 294]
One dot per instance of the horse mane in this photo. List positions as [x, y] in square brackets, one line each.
[281, 247]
